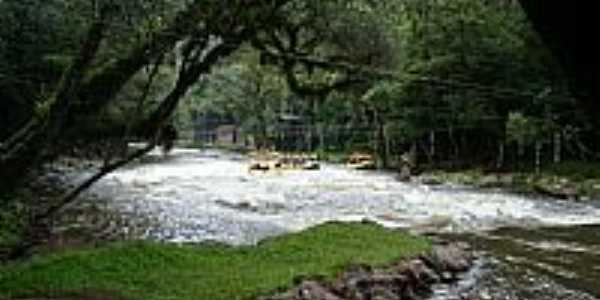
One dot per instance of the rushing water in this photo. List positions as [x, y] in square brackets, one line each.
[549, 263]
[542, 263]
[210, 195]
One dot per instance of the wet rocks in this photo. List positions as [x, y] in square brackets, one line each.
[490, 182]
[244, 205]
[545, 185]
[261, 208]
[405, 280]
[404, 175]
[561, 190]
[449, 260]
[430, 180]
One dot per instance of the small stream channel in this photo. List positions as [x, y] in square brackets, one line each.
[534, 248]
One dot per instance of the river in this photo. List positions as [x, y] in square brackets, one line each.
[533, 248]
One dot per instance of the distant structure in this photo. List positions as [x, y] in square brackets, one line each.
[228, 135]
[215, 129]
[290, 132]
[205, 125]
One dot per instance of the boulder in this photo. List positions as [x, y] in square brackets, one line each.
[406, 280]
[405, 173]
[430, 180]
[449, 260]
[558, 191]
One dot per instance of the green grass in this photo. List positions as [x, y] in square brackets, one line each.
[212, 272]
[12, 216]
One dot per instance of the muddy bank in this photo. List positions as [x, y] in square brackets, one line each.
[409, 279]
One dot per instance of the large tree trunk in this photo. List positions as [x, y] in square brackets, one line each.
[189, 73]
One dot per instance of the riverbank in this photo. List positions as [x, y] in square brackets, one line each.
[87, 222]
[569, 181]
[198, 196]
[144, 270]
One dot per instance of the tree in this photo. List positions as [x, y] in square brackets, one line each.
[188, 40]
[559, 25]
[207, 32]
[199, 35]
[242, 90]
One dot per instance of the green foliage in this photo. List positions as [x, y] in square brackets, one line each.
[469, 68]
[251, 96]
[416, 66]
[575, 169]
[155, 271]
[12, 218]
[40, 39]
[522, 129]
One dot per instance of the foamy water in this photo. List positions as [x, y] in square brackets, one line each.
[210, 195]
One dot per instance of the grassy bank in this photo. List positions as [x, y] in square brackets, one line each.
[575, 180]
[217, 272]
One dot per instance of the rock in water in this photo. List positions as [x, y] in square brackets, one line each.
[405, 173]
[449, 260]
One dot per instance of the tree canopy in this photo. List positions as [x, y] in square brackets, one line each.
[471, 76]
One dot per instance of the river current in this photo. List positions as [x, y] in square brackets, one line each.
[533, 248]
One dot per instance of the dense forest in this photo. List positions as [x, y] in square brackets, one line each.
[299, 150]
[458, 83]
[461, 83]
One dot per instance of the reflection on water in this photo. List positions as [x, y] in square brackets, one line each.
[210, 195]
